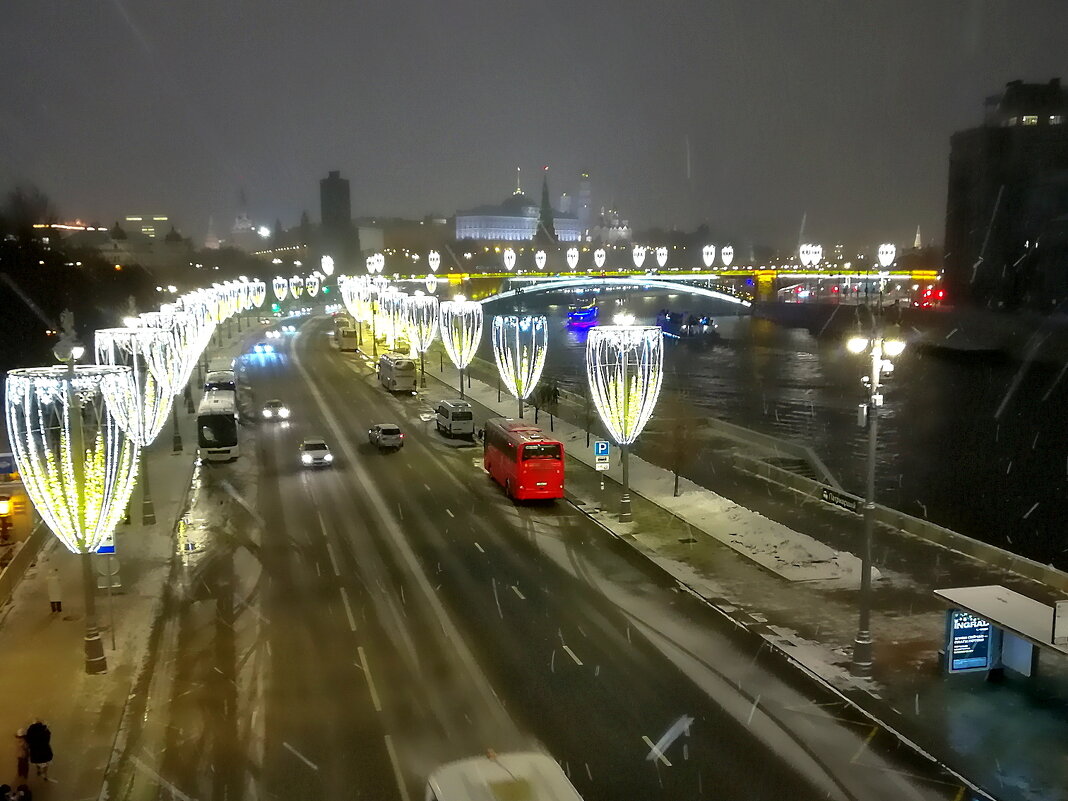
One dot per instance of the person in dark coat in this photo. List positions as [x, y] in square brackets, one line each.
[39, 741]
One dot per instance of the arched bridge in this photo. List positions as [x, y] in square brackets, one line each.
[679, 284]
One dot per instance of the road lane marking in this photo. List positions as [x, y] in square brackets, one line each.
[572, 655]
[515, 589]
[348, 609]
[322, 523]
[300, 756]
[675, 730]
[498, 600]
[427, 487]
[449, 511]
[370, 681]
[864, 745]
[333, 559]
[396, 770]
[655, 752]
[479, 547]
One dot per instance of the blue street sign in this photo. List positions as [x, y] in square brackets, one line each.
[600, 447]
[108, 545]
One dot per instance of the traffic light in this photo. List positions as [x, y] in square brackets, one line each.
[326, 290]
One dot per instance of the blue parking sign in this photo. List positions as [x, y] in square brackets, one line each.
[600, 447]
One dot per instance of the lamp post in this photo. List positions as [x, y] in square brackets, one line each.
[422, 311]
[878, 349]
[460, 321]
[519, 348]
[625, 368]
[77, 463]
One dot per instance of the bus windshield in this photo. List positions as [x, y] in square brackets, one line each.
[549, 450]
[217, 430]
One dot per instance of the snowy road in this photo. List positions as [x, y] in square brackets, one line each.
[346, 630]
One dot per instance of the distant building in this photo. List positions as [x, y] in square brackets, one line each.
[610, 228]
[339, 238]
[151, 225]
[1008, 189]
[513, 220]
[584, 211]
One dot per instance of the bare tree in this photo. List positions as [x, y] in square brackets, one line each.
[681, 423]
[23, 207]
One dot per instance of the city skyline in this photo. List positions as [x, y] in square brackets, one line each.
[838, 116]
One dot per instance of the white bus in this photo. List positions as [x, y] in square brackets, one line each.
[217, 426]
[519, 775]
[397, 373]
[220, 380]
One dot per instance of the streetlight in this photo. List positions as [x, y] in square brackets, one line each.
[460, 321]
[76, 462]
[625, 368]
[878, 349]
[519, 348]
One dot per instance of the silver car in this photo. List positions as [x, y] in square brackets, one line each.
[315, 453]
[385, 435]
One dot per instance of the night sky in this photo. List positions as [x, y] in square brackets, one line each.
[839, 109]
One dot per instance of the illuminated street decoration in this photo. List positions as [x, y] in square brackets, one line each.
[887, 254]
[433, 260]
[148, 353]
[281, 288]
[572, 258]
[296, 286]
[311, 283]
[708, 255]
[638, 254]
[661, 256]
[326, 264]
[539, 259]
[726, 255]
[519, 348]
[422, 323]
[460, 321]
[599, 257]
[625, 368]
[431, 282]
[77, 463]
[810, 255]
[509, 259]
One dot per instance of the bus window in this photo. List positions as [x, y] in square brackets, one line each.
[547, 450]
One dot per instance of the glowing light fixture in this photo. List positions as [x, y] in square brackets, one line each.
[598, 258]
[431, 282]
[148, 353]
[708, 255]
[539, 259]
[572, 258]
[422, 311]
[281, 288]
[638, 255]
[296, 286]
[661, 256]
[726, 255]
[433, 260]
[887, 254]
[625, 369]
[857, 344]
[460, 321]
[509, 259]
[311, 283]
[326, 264]
[519, 348]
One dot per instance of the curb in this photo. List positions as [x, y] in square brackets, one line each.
[749, 627]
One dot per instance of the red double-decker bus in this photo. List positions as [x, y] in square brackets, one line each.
[523, 460]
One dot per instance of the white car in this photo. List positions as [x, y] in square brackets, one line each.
[273, 334]
[289, 329]
[385, 435]
[274, 409]
[315, 453]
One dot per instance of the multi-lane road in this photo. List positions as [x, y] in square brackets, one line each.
[340, 632]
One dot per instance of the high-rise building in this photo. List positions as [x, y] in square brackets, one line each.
[335, 204]
[1008, 184]
[151, 225]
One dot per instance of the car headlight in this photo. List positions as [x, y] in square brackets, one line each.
[329, 457]
[283, 413]
[266, 412]
[306, 458]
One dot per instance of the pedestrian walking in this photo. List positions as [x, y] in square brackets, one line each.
[39, 742]
[22, 755]
[55, 590]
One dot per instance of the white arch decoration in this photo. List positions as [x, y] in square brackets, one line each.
[640, 282]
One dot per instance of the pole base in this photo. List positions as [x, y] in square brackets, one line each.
[862, 662]
[148, 513]
[95, 661]
[177, 443]
[624, 509]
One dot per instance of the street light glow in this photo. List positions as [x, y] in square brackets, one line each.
[857, 344]
[326, 264]
[519, 348]
[461, 329]
[625, 369]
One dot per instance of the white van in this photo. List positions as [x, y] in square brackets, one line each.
[397, 373]
[220, 379]
[518, 775]
[455, 418]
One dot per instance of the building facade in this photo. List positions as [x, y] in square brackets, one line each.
[1007, 199]
[514, 220]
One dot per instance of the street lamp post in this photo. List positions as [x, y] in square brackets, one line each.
[878, 350]
[461, 331]
[519, 348]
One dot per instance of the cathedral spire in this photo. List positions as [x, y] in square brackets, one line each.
[546, 232]
[918, 243]
[518, 188]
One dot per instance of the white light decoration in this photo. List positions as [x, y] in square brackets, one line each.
[431, 282]
[148, 352]
[509, 259]
[810, 255]
[887, 254]
[661, 256]
[281, 288]
[326, 264]
[258, 293]
[378, 262]
[599, 257]
[726, 255]
[625, 369]
[422, 312]
[519, 348]
[539, 259]
[77, 463]
[638, 254]
[708, 255]
[296, 286]
[460, 321]
[572, 258]
[311, 283]
[817, 255]
[433, 260]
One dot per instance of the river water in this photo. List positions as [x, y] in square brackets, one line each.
[978, 446]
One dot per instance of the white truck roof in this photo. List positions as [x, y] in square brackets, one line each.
[518, 776]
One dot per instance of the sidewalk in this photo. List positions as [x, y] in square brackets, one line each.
[41, 654]
[756, 556]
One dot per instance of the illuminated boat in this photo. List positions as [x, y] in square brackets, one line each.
[582, 315]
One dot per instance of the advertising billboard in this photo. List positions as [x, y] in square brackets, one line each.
[969, 642]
